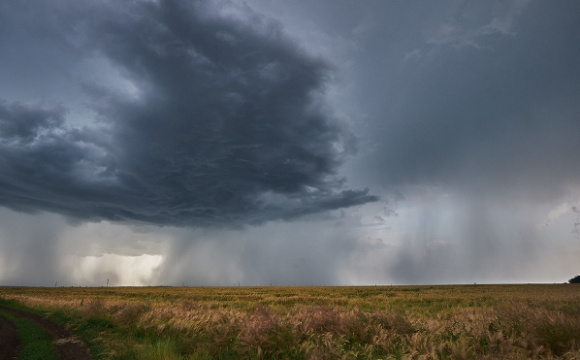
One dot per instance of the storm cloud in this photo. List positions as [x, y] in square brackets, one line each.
[171, 142]
[484, 100]
[212, 119]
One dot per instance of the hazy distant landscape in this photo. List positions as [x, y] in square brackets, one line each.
[371, 322]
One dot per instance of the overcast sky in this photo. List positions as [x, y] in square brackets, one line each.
[261, 142]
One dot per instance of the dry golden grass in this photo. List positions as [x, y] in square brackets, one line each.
[383, 322]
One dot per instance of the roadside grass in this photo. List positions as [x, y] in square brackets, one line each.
[85, 330]
[36, 343]
[435, 322]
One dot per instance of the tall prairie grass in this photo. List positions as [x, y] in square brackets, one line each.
[383, 322]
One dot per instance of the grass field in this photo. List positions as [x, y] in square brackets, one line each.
[375, 322]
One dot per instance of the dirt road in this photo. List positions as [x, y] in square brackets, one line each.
[67, 346]
[9, 342]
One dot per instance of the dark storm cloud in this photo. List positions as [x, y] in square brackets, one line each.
[217, 120]
[24, 123]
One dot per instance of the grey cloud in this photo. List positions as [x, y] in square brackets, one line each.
[226, 125]
[470, 23]
[24, 123]
[498, 120]
[192, 113]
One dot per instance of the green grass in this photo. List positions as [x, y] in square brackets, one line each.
[86, 329]
[36, 343]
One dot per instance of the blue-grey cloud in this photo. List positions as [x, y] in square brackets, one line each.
[485, 99]
[221, 122]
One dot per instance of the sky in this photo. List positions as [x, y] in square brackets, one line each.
[268, 142]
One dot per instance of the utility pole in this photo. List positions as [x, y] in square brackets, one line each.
[107, 282]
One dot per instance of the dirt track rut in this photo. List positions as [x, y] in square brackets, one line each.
[9, 342]
[68, 346]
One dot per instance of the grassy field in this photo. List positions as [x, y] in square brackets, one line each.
[375, 322]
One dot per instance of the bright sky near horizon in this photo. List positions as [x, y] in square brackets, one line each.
[261, 142]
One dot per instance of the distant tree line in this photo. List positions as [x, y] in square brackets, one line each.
[575, 280]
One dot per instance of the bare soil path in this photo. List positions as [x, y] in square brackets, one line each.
[9, 341]
[68, 346]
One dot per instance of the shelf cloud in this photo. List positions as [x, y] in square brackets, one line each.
[212, 120]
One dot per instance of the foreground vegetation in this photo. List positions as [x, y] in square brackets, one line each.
[36, 343]
[383, 322]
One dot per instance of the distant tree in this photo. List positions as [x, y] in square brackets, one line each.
[575, 280]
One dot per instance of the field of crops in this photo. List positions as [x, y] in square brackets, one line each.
[374, 322]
